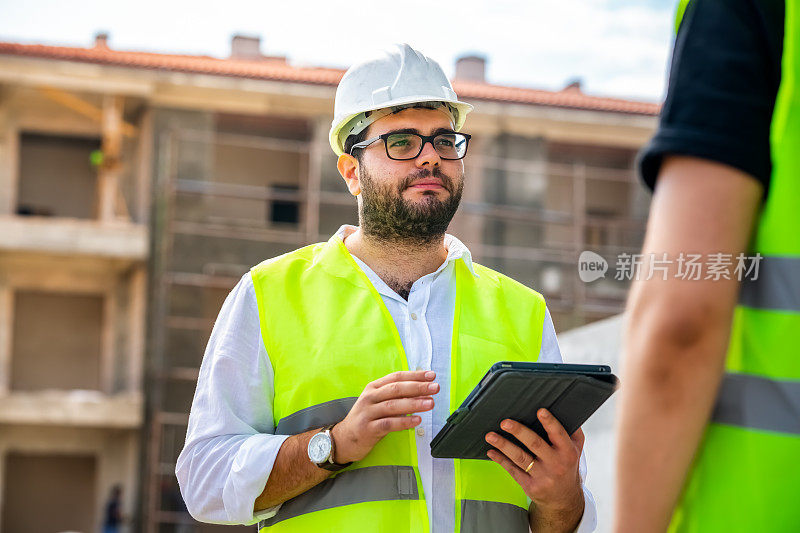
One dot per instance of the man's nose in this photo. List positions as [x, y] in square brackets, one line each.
[428, 156]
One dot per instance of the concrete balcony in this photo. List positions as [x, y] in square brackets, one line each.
[65, 236]
[76, 408]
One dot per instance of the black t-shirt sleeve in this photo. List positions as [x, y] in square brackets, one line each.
[723, 82]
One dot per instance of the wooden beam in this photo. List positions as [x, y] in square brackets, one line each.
[84, 108]
[111, 167]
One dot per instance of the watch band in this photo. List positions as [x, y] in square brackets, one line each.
[329, 464]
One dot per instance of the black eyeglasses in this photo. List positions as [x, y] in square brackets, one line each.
[405, 146]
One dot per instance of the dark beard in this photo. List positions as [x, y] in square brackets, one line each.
[386, 216]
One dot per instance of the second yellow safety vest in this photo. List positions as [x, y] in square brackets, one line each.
[746, 475]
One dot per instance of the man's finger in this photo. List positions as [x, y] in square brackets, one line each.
[405, 375]
[529, 438]
[555, 431]
[517, 473]
[521, 458]
[399, 406]
[394, 423]
[403, 389]
[578, 438]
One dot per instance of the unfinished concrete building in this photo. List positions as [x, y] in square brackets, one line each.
[73, 251]
[135, 190]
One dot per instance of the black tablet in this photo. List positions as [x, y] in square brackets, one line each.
[517, 390]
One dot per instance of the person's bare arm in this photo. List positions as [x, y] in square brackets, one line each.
[676, 336]
[382, 407]
[293, 472]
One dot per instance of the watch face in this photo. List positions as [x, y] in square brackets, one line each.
[319, 448]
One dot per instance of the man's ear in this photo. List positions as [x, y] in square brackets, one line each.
[348, 168]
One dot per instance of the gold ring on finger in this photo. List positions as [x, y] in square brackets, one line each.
[530, 466]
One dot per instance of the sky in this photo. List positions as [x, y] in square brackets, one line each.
[616, 47]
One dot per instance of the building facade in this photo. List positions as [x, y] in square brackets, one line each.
[136, 189]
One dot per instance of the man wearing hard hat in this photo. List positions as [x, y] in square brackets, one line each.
[347, 356]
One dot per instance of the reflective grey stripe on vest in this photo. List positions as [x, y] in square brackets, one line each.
[776, 287]
[316, 416]
[758, 403]
[485, 517]
[370, 484]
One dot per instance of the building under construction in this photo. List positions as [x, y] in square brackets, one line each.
[137, 188]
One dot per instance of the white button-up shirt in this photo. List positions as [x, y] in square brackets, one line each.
[230, 442]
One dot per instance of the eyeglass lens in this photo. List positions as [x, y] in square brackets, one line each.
[409, 145]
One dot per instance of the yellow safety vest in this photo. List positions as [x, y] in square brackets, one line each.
[328, 334]
[746, 474]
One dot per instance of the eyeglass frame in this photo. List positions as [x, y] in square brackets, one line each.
[425, 139]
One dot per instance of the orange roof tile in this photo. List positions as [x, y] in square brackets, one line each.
[278, 70]
[571, 98]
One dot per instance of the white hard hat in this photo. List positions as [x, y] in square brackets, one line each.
[397, 78]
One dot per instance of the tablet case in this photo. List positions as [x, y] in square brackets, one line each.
[515, 393]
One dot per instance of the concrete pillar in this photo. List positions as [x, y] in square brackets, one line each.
[579, 227]
[9, 160]
[143, 175]
[313, 183]
[108, 346]
[6, 325]
[137, 308]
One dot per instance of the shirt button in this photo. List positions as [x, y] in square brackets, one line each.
[413, 316]
[420, 432]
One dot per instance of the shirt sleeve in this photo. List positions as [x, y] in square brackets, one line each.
[230, 443]
[551, 353]
[723, 82]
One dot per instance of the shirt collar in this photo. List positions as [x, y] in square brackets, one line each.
[455, 248]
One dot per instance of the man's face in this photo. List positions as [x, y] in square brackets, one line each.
[413, 200]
